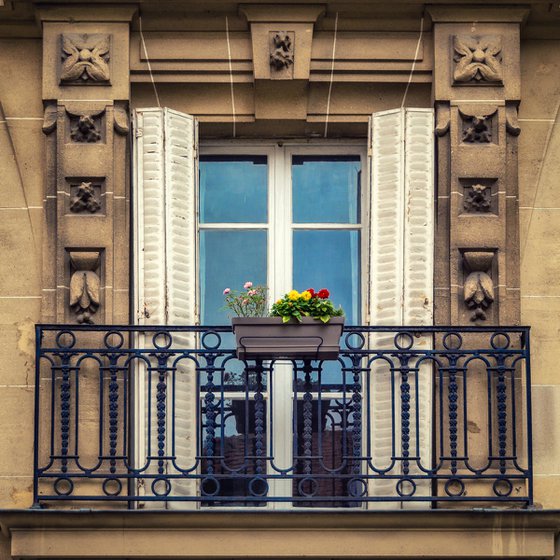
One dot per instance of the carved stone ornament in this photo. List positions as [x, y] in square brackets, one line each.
[477, 129]
[281, 50]
[512, 121]
[85, 58]
[478, 198]
[84, 285]
[121, 120]
[85, 130]
[49, 118]
[478, 290]
[478, 59]
[85, 199]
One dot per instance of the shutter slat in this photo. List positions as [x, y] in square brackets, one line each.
[401, 269]
[166, 278]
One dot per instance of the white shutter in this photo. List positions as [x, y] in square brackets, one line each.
[401, 273]
[165, 245]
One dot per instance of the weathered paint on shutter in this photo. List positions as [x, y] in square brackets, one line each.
[165, 213]
[401, 265]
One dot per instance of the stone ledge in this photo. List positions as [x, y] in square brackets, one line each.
[235, 534]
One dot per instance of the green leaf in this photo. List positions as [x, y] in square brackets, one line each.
[285, 318]
[325, 318]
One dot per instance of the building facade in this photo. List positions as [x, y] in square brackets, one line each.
[155, 153]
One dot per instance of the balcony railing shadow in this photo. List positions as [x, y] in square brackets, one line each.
[167, 416]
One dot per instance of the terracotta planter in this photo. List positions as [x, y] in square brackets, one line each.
[268, 338]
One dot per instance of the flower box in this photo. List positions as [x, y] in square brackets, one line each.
[270, 338]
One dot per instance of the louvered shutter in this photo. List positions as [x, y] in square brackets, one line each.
[401, 277]
[165, 247]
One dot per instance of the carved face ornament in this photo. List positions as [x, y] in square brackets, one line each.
[85, 61]
[477, 58]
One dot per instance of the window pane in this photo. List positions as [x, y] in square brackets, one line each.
[228, 259]
[330, 259]
[233, 189]
[325, 189]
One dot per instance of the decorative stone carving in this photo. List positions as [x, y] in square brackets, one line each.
[478, 289]
[478, 198]
[512, 122]
[477, 58]
[84, 197]
[120, 117]
[443, 119]
[84, 285]
[477, 129]
[85, 130]
[281, 50]
[85, 58]
[49, 118]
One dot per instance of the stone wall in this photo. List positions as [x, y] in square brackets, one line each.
[21, 226]
[539, 209]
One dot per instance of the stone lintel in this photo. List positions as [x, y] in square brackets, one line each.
[282, 13]
[87, 12]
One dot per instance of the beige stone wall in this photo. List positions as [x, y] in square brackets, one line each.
[539, 192]
[21, 215]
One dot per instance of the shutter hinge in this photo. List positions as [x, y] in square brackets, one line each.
[138, 133]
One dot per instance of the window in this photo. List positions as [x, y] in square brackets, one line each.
[289, 217]
[376, 221]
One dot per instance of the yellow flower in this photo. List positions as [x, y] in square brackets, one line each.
[279, 302]
[305, 296]
[293, 295]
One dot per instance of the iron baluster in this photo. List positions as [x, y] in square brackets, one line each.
[161, 398]
[307, 418]
[356, 415]
[113, 411]
[501, 397]
[405, 412]
[452, 398]
[260, 444]
[64, 411]
[211, 412]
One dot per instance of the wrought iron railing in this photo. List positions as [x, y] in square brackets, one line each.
[168, 414]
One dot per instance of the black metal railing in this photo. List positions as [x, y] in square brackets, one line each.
[168, 414]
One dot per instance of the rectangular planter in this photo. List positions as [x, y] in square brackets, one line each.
[269, 337]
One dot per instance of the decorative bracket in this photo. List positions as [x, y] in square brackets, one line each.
[85, 285]
[478, 289]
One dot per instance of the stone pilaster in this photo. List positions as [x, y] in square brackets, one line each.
[86, 95]
[476, 89]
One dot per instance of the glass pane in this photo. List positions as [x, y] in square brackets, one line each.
[326, 189]
[228, 259]
[233, 189]
[330, 259]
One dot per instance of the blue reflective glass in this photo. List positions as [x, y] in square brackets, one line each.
[233, 189]
[325, 189]
[330, 259]
[228, 259]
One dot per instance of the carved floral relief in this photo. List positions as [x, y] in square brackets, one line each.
[478, 289]
[477, 129]
[281, 50]
[85, 197]
[85, 130]
[477, 59]
[85, 58]
[84, 285]
[478, 198]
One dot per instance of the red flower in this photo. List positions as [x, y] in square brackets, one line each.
[311, 291]
[323, 293]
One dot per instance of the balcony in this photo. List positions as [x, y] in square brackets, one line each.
[407, 417]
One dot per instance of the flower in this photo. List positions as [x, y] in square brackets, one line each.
[278, 302]
[245, 301]
[248, 285]
[250, 302]
[323, 293]
[252, 293]
[311, 291]
[306, 295]
[226, 291]
[293, 295]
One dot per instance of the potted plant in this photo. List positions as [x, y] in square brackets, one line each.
[302, 325]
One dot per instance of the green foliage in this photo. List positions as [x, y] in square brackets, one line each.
[295, 305]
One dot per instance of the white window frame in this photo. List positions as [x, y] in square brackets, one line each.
[279, 229]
